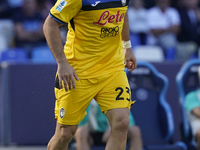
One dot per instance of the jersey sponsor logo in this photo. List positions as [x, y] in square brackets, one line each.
[107, 18]
[61, 5]
[97, 2]
[109, 32]
[62, 112]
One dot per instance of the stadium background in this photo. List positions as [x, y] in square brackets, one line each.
[27, 96]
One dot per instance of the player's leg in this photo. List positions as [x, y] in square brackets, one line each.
[135, 139]
[63, 135]
[69, 111]
[114, 99]
[82, 138]
[119, 121]
[198, 139]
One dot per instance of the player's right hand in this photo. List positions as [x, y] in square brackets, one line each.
[130, 60]
[66, 75]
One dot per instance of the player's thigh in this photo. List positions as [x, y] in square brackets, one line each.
[71, 105]
[115, 93]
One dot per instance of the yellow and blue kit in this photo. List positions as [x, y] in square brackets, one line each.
[94, 49]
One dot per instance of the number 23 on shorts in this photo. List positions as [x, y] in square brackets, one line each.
[121, 90]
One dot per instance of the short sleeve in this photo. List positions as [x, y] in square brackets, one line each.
[191, 101]
[64, 10]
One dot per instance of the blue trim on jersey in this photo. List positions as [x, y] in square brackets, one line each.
[56, 19]
[89, 2]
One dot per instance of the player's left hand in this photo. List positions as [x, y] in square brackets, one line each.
[130, 60]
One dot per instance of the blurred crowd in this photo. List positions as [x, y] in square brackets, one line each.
[175, 29]
[21, 24]
[173, 26]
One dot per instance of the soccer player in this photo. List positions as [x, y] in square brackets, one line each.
[91, 66]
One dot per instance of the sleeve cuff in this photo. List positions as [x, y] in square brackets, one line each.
[56, 19]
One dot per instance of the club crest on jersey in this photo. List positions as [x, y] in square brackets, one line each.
[61, 5]
[123, 2]
[62, 112]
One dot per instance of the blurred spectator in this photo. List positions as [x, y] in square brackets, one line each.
[138, 20]
[53, 1]
[44, 7]
[189, 37]
[15, 3]
[94, 129]
[6, 34]
[149, 3]
[28, 26]
[179, 4]
[175, 3]
[192, 105]
[6, 25]
[4, 9]
[164, 24]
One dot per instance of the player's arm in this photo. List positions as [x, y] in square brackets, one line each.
[66, 73]
[130, 59]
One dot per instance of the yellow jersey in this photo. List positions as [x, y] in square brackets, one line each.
[94, 43]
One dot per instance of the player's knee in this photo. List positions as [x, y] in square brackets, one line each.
[65, 138]
[66, 135]
[82, 133]
[121, 124]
